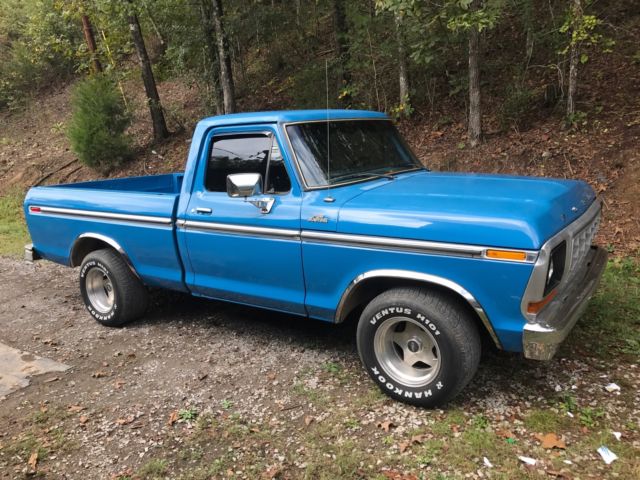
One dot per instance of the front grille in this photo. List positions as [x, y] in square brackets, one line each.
[582, 242]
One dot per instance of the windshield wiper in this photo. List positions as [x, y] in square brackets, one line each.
[388, 176]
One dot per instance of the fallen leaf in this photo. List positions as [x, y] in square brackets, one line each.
[125, 421]
[271, 376]
[173, 418]
[551, 440]
[308, 420]
[52, 379]
[119, 384]
[403, 446]
[33, 460]
[505, 434]
[99, 374]
[75, 408]
[83, 419]
[396, 475]
[418, 438]
[386, 425]
[272, 472]
[555, 473]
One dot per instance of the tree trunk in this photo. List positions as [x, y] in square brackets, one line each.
[160, 130]
[91, 44]
[475, 115]
[226, 74]
[212, 56]
[574, 56]
[403, 73]
[341, 30]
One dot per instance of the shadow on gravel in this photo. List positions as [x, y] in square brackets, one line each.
[167, 307]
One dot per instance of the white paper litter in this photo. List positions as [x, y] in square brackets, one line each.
[612, 387]
[569, 414]
[607, 455]
[528, 460]
[618, 435]
[487, 463]
[568, 462]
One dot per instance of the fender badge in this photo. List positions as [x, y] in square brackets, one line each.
[574, 209]
[319, 219]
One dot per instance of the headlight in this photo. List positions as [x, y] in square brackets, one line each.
[556, 267]
[550, 272]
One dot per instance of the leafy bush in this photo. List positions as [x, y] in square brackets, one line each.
[516, 107]
[96, 130]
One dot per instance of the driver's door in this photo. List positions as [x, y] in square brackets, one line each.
[236, 252]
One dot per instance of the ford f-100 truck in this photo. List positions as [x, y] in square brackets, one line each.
[328, 215]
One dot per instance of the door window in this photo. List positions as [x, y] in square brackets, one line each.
[256, 153]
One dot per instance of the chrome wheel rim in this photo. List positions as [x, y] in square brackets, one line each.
[99, 290]
[407, 351]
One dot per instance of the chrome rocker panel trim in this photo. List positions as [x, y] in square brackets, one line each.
[422, 277]
[541, 340]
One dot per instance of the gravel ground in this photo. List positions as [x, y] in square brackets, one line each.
[202, 389]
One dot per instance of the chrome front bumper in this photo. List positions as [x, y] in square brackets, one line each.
[541, 339]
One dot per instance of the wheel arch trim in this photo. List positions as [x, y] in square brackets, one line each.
[426, 278]
[74, 262]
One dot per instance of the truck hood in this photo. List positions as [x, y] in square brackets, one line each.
[490, 210]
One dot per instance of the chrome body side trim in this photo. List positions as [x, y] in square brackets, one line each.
[281, 233]
[419, 246]
[541, 340]
[351, 240]
[71, 212]
[421, 277]
[535, 288]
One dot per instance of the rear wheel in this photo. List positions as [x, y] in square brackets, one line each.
[420, 346]
[111, 292]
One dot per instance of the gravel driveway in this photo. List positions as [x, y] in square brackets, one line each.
[202, 389]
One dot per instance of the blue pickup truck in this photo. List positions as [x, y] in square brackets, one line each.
[328, 215]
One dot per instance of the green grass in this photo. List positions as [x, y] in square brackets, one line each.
[611, 324]
[13, 231]
[154, 469]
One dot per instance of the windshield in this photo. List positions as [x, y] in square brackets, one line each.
[358, 149]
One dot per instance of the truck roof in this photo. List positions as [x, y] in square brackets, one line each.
[287, 116]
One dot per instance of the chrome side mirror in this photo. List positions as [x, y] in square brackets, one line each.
[249, 186]
[244, 184]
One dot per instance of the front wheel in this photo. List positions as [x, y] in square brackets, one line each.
[111, 292]
[420, 346]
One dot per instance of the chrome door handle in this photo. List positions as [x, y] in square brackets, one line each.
[203, 211]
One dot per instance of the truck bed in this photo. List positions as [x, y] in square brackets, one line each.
[137, 213]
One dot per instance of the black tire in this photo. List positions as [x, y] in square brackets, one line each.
[125, 298]
[448, 354]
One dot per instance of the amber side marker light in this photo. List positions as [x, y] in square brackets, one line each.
[535, 307]
[506, 255]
